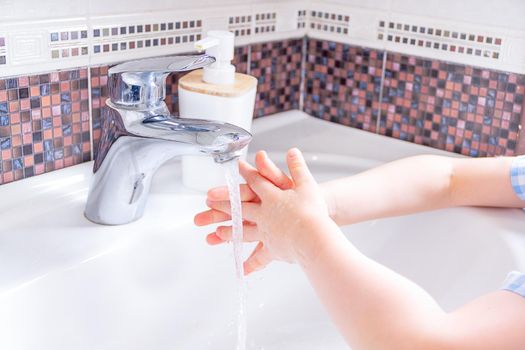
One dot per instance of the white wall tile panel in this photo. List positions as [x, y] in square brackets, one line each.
[59, 34]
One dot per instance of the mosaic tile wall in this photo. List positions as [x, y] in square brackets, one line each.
[472, 111]
[462, 109]
[44, 123]
[343, 83]
[45, 120]
[277, 66]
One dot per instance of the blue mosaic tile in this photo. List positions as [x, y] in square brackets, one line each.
[47, 123]
[48, 156]
[5, 143]
[18, 164]
[67, 130]
[65, 108]
[59, 153]
[11, 83]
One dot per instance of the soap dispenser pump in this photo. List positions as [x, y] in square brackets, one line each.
[218, 93]
[218, 44]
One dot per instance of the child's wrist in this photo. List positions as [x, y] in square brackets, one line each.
[329, 199]
[310, 245]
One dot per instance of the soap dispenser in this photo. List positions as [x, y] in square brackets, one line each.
[215, 92]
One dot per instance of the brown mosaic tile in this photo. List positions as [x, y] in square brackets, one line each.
[277, 66]
[172, 96]
[342, 83]
[99, 95]
[462, 109]
[44, 123]
[240, 59]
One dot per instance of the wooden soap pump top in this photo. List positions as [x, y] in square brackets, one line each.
[193, 82]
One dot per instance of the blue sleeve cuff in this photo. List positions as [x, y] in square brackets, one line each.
[515, 282]
[517, 176]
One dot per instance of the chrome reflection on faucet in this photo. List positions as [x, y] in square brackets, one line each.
[139, 135]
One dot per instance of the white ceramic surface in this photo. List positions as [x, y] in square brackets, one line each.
[66, 283]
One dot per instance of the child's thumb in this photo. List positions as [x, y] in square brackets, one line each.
[298, 168]
[259, 258]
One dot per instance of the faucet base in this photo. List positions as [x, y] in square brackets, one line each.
[120, 187]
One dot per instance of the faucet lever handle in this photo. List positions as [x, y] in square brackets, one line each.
[141, 84]
[162, 64]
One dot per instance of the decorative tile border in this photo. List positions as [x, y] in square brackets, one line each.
[44, 123]
[301, 19]
[462, 109]
[277, 66]
[265, 22]
[3, 50]
[335, 23]
[343, 83]
[432, 38]
[240, 25]
[64, 44]
[145, 36]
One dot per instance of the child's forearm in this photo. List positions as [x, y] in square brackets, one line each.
[375, 308]
[397, 188]
[419, 184]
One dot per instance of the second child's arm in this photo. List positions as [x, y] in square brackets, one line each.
[421, 183]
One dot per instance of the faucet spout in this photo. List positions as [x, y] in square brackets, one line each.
[139, 135]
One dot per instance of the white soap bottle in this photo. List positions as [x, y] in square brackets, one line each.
[215, 92]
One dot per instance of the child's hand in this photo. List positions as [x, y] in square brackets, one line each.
[284, 222]
[219, 201]
[287, 221]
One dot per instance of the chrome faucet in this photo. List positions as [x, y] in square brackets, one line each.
[139, 135]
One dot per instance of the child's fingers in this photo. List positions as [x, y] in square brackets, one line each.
[269, 170]
[249, 233]
[257, 183]
[298, 168]
[211, 216]
[223, 234]
[249, 209]
[258, 260]
[213, 239]
[222, 194]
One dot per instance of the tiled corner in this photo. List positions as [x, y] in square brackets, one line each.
[44, 123]
[343, 83]
[453, 107]
[277, 66]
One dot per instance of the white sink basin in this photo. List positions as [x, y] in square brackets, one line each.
[66, 283]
